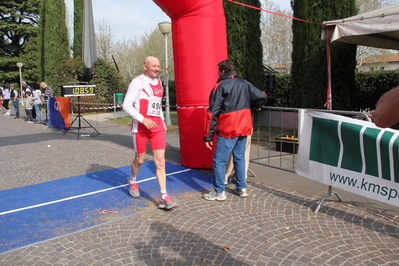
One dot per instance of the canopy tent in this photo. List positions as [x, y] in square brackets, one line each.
[378, 28]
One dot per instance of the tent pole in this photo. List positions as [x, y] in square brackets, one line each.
[328, 107]
[329, 98]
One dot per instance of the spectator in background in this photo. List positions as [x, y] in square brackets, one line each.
[26, 88]
[14, 96]
[37, 96]
[1, 97]
[29, 106]
[6, 100]
[48, 92]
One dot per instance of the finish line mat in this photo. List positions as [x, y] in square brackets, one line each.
[57, 208]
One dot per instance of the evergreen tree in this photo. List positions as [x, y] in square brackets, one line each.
[18, 23]
[107, 81]
[77, 28]
[70, 71]
[309, 58]
[29, 58]
[244, 45]
[53, 41]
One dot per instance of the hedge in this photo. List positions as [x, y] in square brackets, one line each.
[370, 86]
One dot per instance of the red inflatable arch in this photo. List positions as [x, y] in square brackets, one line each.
[199, 43]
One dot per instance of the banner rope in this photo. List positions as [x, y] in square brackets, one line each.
[271, 12]
[112, 106]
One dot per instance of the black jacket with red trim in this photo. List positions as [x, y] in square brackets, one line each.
[230, 103]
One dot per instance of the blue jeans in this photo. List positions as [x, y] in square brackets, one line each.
[224, 147]
[16, 107]
[38, 110]
[48, 109]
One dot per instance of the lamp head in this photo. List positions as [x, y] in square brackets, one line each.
[20, 64]
[165, 27]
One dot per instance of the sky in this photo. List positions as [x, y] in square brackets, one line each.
[133, 18]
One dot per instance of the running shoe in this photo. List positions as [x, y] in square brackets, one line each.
[166, 203]
[242, 192]
[213, 195]
[134, 189]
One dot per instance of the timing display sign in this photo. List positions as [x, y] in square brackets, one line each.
[78, 90]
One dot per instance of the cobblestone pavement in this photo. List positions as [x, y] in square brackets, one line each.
[272, 226]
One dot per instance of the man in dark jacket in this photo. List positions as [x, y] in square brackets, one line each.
[229, 117]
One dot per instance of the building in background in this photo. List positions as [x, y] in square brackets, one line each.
[379, 62]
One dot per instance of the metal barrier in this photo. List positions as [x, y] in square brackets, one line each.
[271, 123]
[281, 123]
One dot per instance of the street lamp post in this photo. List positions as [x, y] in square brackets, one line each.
[20, 65]
[166, 28]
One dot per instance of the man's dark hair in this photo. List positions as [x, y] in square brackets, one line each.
[35, 86]
[227, 66]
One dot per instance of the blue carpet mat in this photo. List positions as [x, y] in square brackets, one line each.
[53, 209]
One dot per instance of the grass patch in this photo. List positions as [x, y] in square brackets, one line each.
[127, 121]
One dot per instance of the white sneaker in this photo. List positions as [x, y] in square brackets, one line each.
[213, 195]
[242, 192]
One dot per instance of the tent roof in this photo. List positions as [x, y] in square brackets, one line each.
[378, 28]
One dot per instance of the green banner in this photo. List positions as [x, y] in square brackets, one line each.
[355, 147]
